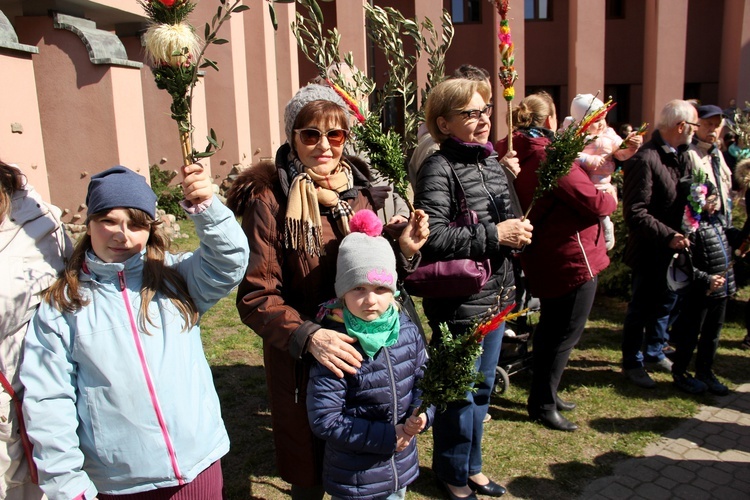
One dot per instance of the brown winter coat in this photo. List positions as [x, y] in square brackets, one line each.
[278, 299]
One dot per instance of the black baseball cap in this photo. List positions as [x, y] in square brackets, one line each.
[709, 110]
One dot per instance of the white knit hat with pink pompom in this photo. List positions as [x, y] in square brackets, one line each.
[365, 257]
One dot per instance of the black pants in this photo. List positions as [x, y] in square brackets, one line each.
[561, 323]
[699, 324]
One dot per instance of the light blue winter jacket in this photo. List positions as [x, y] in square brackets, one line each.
[116, 411]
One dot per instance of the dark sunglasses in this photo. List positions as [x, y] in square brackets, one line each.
[474, 114]
[311, 136]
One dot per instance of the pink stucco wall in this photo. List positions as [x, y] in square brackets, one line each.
[76, 109]
[18, 104]
[223, 108]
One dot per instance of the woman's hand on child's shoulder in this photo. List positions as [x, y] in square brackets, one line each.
[196, 184]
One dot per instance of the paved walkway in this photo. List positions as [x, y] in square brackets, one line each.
[707, 456]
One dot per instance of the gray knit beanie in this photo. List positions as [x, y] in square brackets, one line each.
[305, 95]
[120, 187]
[365, 258]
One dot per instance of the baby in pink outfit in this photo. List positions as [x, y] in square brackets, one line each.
[597, 158]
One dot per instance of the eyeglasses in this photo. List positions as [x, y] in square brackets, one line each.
[693, 124]
[312, 136]
[474, 114]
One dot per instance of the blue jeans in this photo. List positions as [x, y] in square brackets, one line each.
[457, 431]
[647, 318]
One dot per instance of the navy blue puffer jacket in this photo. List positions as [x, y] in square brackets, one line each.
[712, 254]
[357, 415]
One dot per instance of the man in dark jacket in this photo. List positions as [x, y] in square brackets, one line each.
[653, 205]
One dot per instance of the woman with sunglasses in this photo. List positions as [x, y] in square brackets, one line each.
[458, 118]
[295, 211]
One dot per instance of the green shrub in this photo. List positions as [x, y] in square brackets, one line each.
[615, 281]
[168, 197]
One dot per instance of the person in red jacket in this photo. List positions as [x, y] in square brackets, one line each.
[565, 257]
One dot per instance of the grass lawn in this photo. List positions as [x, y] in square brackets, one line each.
[617, 420]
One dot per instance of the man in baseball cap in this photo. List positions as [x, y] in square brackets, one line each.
[706, 155]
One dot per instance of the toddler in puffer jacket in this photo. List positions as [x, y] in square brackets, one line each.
[705, 302]
[367, 420]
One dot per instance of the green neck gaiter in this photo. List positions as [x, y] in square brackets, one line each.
[372, 335]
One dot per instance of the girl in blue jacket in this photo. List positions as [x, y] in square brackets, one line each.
[119, 396]
[367, 420]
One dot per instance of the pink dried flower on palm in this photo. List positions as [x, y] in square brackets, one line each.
[504, 39]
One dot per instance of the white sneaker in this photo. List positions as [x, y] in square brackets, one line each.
[662, 365]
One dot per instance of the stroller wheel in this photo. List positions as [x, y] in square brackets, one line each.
[502, 381]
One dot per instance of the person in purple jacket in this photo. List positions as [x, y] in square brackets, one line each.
[368, 420]
[563, 260]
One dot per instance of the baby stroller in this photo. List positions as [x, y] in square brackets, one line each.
[515, 353]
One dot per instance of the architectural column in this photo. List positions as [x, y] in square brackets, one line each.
[226, 91]
[20, 125]
[350, 21]
[734, 77]
[82, 75]
[665, 43]
[261, 83]
[287, 61]
[129, 120]
[585, 48]
[434, 11]
[241, 66]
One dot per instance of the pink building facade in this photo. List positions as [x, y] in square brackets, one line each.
[76, 96]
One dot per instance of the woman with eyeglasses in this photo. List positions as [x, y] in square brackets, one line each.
[295, 211]
[562, 264]
[458, 118]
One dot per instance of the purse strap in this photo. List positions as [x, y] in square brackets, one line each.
[25, 442]
[458, 191]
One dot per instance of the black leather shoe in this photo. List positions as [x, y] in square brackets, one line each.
[565, 405]
[553, 420]
[451, 496]
[491, 489]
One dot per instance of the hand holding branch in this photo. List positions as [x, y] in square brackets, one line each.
[414, 234]
[196, 184]
[514, 233]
